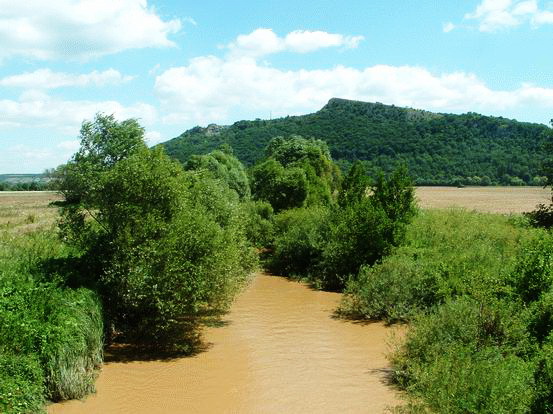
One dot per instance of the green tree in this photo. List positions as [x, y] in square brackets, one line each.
[223, 165]
[161, 243]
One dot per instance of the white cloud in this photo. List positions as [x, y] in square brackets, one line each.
[80, 29]
[303, 41]
[448, 27]
[211, 89]
[39, 110]
[70, 145]
[47, 79]
[494, 15]
[23, 158]
[263, 42]
[153, 137]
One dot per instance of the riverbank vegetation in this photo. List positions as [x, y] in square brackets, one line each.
[141, 249]
[145, 245]
[476, 291]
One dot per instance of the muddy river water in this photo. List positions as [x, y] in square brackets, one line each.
[281, 351]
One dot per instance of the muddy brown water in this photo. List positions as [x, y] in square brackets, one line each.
[281, 351]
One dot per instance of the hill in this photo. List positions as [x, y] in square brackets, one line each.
[439, 149]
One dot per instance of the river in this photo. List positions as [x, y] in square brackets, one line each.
[280, 351]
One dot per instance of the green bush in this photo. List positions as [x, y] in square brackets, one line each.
[258, 223]
[223, 165]
[543, 402]
[163, 243]
[446, 254]
[533, 274]
[58, 328]
[486, 382]
[21, 384]
[359, 234]
[468, 356]
[299, 241]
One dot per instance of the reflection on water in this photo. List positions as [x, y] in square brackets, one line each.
[280, 351]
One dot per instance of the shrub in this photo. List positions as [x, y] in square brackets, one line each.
[533, 274]
[258, 223]
[543, 401]
[60, 330]
[299, 241]
[486, 382]
[468, 356]
[446, 254]
[359, 234]
[223, 165]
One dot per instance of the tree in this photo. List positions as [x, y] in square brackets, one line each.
[223, 165]
[159, 243]
[297, 172]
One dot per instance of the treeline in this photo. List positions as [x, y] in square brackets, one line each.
[438, 149]
[35, 185]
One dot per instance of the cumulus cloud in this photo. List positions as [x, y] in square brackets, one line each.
[40, 110]
[47, 79]
[263, 42]
[80, 29]
[494, 15]
[212, 89]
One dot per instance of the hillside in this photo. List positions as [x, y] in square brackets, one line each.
[438, 148]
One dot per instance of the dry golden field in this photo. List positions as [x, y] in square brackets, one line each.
[24, 211]
[503, 200]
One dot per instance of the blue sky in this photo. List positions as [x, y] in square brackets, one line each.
[177, 64]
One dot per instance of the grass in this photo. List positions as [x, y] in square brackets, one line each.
[51, 336]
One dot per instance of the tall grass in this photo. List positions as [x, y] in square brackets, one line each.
[51, 337]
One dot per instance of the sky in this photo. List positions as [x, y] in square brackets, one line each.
[177, 64]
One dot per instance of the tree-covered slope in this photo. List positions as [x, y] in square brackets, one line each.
[438, 148]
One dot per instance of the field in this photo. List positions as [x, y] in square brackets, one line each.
[29, 210]
[504, 200]
[25, 211]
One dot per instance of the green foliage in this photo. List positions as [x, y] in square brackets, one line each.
[355, 185]
[439, 149]
[542, 216]
[446, 254]
[162, 243]
[258, 223]
[477, 291]
[543, 402]
[21, 384]
[464, 382]
[223, 165]
[297, 172]
[468, 356]
[328, 245]
[51, 337]
[299, 241]
[283, 188]
[533, 274]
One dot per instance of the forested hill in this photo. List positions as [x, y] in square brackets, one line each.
[438, 148]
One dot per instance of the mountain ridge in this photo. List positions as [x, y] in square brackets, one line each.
[439, 148]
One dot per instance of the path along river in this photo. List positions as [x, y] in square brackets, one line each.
[280, 352]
